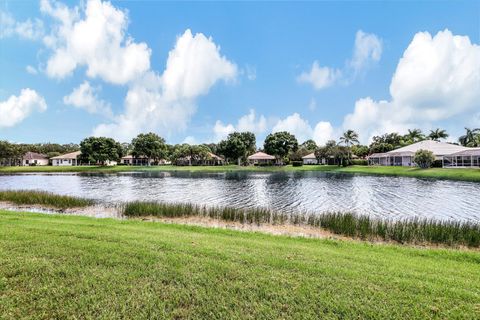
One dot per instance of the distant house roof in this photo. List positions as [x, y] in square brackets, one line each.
[71, 155]
[214, 156]
[261, 156]
[438, 148]
[468, 152]
[34, 156]
[309, 156]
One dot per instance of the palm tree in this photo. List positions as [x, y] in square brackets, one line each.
[437, 134]
[469, 138]
[349, 137]
[414, 135]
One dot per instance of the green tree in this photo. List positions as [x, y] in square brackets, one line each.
[438, 134]
[413, 136]
[191, 153]
[360, 151]
[100, 150]
[349, 138]
[309, 145]
[280, 144]
[386, 142]
[471, 138]
[149, 145]
[424, 158]
[237, 146]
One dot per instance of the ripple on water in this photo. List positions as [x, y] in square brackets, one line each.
[388, 197]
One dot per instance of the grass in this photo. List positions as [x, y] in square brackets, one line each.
[464, 174]
[417, 231]
[57, 267]
[42, 198]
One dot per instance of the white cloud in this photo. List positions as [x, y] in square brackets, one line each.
[166, 103]
[31, 70]
[251, 72]
[302, 130]
[312, 106]
[437, 78]
[296, 126]
[16, 108]
[248, 122]
[190, 140]
[85, 97]
[93, 36]
[368, 48]
[323, 132]
[320, 77]
[28, 29]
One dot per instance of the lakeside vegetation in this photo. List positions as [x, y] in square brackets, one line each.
[135, 269]
[464, 174]
[405, 231]
[42, 198]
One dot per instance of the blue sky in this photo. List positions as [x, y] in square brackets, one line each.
[242, 59]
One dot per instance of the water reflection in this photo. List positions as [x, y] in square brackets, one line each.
[288, 192]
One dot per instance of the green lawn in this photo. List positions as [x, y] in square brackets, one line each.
[78, 267]
[437, 173]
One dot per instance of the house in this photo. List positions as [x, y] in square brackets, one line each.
[141, 161]
[211, 160]
[404, 156]
[34, 159]
[462, 159]
[261, 159]
[69, 159]
[310, 159]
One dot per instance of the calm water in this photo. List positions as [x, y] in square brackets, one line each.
[289, 192]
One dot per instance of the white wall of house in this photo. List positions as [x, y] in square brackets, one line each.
[36, 162]
[64, 162]
[310, 161]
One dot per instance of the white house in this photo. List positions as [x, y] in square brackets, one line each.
[34, 159]
[463, 159]
[69, 159]
[261, 158]
[404, 156]
[310, 159]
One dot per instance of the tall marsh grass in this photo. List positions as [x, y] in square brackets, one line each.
[43, 198]
[414, 230]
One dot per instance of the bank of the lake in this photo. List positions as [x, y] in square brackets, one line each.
[134, 269]
[460, 174]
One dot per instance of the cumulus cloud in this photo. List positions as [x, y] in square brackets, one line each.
[31, 70]
[438, 77]
[249, 122]
[295, 124]
[165, 103]
[86, 97]
[16, 108]
[93, 36]
[320, 77]
[367, 50]
[28, 29]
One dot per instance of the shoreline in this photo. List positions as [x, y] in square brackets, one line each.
[283, 229]
[455, 174]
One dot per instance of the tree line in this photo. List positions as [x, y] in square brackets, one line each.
[234, 149]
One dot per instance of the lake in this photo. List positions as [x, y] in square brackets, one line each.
[390, 197]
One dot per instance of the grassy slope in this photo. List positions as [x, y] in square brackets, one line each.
[438, 173]
[60, 266]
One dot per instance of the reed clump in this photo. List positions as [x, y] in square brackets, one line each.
[32, 197]
[413, 230]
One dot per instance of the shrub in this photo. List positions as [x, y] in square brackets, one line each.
[297, 163]
[424, 158]
[359, 162]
